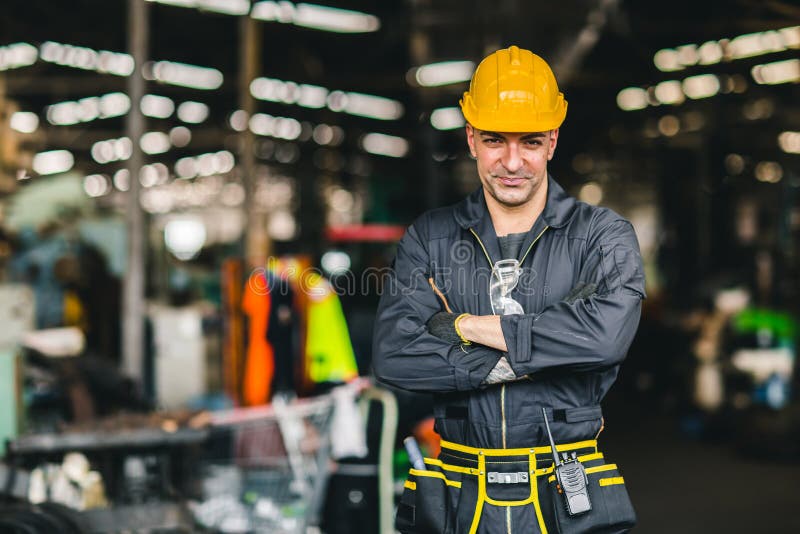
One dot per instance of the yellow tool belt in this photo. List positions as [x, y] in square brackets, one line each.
[481, 490]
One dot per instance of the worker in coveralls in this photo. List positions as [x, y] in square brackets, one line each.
[517, 298]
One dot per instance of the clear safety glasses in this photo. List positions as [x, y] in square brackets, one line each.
[505, 277]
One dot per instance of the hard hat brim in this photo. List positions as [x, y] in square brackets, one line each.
[523, 121]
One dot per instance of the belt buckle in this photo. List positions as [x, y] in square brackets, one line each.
[494, 477]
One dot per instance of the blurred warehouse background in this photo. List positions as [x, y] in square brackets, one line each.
[199, 199]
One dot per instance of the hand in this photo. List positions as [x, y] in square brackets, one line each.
[443, 326]
[581, 291]
[501, 373]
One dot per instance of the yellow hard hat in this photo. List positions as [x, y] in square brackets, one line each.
[514, 90]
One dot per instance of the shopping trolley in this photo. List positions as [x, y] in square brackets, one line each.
[273, 477]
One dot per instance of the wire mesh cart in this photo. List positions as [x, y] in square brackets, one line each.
[271, 473]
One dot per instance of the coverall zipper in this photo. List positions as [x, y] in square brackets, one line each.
[491, 265]
[503, 386]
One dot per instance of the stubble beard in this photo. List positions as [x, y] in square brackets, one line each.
[512, 197]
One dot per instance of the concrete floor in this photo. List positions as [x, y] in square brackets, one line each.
[686, 485]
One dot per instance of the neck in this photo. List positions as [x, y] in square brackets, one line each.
[516, 219]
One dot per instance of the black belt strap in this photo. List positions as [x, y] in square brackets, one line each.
[561, 415]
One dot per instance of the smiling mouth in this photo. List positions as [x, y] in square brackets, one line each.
[511, 180]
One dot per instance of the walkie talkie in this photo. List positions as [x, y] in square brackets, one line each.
[570, 477]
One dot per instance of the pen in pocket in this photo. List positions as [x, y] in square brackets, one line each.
[440, 295]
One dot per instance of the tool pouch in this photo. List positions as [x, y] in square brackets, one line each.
[428, 498]
[612, 511]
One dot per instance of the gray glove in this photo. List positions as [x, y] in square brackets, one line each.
[581, 291]
[443, 326]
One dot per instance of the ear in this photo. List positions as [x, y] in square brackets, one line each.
[471, 139]
[553, 142]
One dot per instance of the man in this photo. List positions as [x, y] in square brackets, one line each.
[498, 342]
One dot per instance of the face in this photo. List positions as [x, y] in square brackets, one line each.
[512, 166]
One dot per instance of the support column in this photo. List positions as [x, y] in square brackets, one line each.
[133, 301]
[254, 238]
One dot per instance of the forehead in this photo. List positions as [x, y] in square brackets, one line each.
[511, 135]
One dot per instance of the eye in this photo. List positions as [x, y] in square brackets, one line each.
[533, 142]
[491, 140]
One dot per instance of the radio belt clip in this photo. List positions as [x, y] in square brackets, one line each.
[570, 477]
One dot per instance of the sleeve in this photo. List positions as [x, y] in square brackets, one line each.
[590, 333]
[405, 355]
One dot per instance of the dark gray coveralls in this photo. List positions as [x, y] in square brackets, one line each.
[570, 352]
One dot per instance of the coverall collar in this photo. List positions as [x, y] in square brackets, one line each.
[472, 213]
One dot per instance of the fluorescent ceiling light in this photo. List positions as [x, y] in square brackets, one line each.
[96, 185]
[273, 90]
[273, 12]
[112, 150]
[316, 17]
[669, 92]
[68, 113]
[17, 55]
[88, 109]
[238, 120]
[324, 134]
[363, 105]
[193, 112]
[447, 118]
[81, 57]
[180, 136]
[739, 47]
[632, 98]
[688, 55]
[385, 145]
[24, 121]
[205, 164]
[53, 162]
[177, 3]
[777, 72]
[114, 105]
[790, 36]
[444, 73]
[756, 44]
[770, 172]
[186, 167]
[334, 20]
[789, 142]
[666, 60]
[158, 107]
[314, 96]
[710, 53]
[701, 86]
[280, 127]
[155, 143]
[227, 7]
[122, 179]
[183, 74]
[153, 174]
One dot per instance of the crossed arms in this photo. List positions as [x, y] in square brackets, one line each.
[587, 333]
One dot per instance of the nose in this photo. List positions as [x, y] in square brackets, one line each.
[512, 159]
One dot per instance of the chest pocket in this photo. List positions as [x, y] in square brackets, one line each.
[557, 265]
[460, 273]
